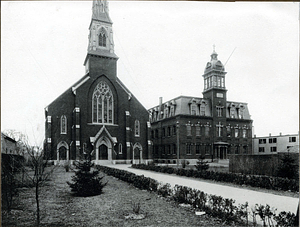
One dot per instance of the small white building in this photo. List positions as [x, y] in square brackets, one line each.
[274, 144]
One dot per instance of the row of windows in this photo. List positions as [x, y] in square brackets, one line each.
[219, 131]
[214, 81]
[272, 149]
[274, 140]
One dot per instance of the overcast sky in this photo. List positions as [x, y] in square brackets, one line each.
[163, 48]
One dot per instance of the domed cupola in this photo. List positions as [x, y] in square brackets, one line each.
[214, 63]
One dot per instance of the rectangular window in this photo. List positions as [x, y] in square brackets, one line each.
[273, 149]
[244, 133]
[262, 141]
[169, 131]
[188, 148]
[219, 112]
[236, 133]
[174, 129]
[223, 82]
[163, 149]
[273, 140]
[261, 149]
[232, 112]
[189, 130]
[206, 130]
[197, 148]
[174, 149]
[197, 130]
[202, 110]
[193, 109]
[228, 131]
[163, 132]
[137, 128]
[207, 149]
[292, 139]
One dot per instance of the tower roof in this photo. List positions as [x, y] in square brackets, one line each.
[214, 63]
[100, 11]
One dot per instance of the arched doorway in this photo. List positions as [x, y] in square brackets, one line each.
[62, 153]
[103, 152]
[137, 154]
[103, 149]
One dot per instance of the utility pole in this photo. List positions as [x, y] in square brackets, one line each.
[177, 134]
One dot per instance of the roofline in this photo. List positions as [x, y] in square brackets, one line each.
[77, 82]
[265, 137]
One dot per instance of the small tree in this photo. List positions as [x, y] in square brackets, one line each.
[201, 164]
[86, 181]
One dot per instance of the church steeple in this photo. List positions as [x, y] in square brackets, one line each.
[101, 41]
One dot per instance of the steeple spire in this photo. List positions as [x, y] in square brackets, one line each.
[100, 11]
[101, 41]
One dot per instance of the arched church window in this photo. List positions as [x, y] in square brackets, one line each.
[63, 124]
[137, 128]
[102, 38]
[102, 104]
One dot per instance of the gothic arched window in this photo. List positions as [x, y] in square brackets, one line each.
[137, 128]
[63, 124]
[102, 104]
[102, 38]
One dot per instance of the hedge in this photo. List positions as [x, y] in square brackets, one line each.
[274, 183]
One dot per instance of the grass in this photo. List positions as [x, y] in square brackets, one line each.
[60, 208]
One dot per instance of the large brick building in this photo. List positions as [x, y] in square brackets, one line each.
[187, 127]
[98, 114]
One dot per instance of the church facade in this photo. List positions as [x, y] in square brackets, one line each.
[98, 115]
[186, 128]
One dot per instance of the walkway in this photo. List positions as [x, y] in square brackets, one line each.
[240, 195]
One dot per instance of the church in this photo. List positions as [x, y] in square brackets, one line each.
[98, 115]
[185, 128]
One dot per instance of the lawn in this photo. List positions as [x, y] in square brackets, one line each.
[60, 208]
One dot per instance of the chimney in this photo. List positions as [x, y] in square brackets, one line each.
[280, 134]
[254, 136]
[269, 134]
[159, 107]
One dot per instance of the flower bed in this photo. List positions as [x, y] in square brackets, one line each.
[274, 183]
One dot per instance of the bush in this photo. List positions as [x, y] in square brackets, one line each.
[275, 183]
[201, 164]
[86, 181]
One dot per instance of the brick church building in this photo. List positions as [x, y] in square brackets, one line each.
[187, 127]
[98, 114]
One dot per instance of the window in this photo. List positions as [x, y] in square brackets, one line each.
[207, 149]
[193, 109]
[219, 111]
[273, 140]
[163, 132]
[169, 131]
[152, 134]
[232, 112]
[228, 131]
[206, 130]
[241, 113]
[219, 82]
[197, 130]
[223, 82]
[63, 124]
[219, 129]
[273, 149]
[172, 110]
[262, 141]
[244, 133]
[102, 38]
[156, 133]
[236, 132]
[174, 129]
[188, 148]
[166, 112]
[202, 110]
[261, 149]
[137, 128]
[174, 149]
[120, 149]
[197, 148]
[102, 104]
[163, 149]
[292, 139]
[188, 130]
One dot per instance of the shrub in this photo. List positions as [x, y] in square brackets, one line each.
[201, 164]
[164, 190]
[86, 181]
[285, 219]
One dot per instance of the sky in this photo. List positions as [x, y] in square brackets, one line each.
[163, 48]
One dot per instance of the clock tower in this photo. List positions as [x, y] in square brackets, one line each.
[214, 86]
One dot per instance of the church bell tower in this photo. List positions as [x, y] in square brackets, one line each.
[101, 44]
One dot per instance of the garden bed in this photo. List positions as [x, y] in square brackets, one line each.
[60, 208]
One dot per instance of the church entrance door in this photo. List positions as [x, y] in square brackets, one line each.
[62, 153]
[103, 152]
